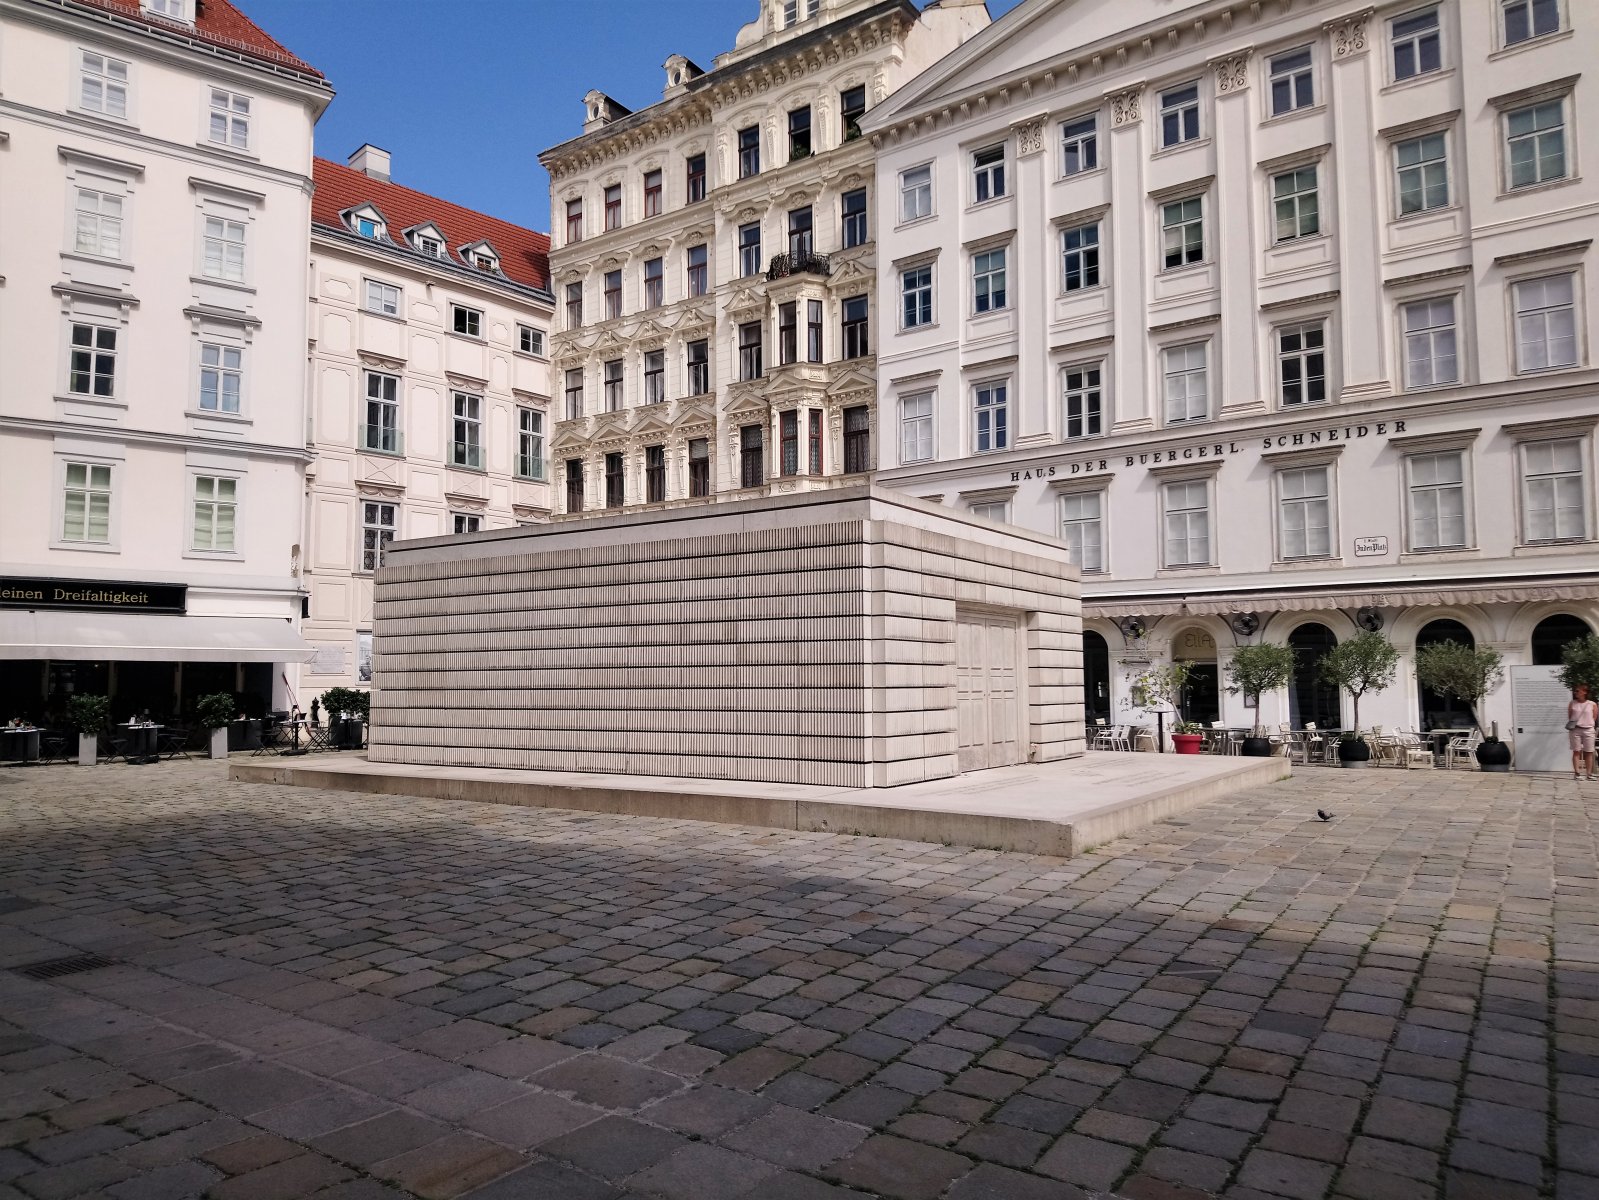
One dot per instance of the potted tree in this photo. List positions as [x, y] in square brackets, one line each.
[347, 713]
[1255, 670]
[1365, 663]
[1467, 673]
[215, 712]
[1160, 688]
[1579, 663]
[88, 716]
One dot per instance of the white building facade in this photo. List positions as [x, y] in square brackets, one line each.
[714, 262]
[1280, 314]
[430, 383]
[155, 162]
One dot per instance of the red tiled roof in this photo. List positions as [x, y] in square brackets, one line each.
[524, 253]
[219, 23]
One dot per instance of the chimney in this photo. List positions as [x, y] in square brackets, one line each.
[371, 160]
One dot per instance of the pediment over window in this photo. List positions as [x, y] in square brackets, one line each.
[570, 435]
[747, 397]
[653, 421]
[427, 239]
[365, 220]
[851, 380]
[743, 300]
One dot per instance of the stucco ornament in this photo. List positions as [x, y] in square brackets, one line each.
[1232, 73]
[1126, 107]
[1029, 136]
[1349, 35]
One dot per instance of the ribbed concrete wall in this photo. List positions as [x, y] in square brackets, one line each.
[808, 639]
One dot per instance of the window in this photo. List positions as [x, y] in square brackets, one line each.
[530, 340]
[749, 350]
[175, 10]
[1546, 323]
[916, 428]
[615, 493]
[230, 119]
[751, 456]
[799, 232]
[93, 361]
[86, 514]
[1423, 167]
[654, 376]
[1415, 39]
[916, 290]
[856, 335]
[1179, 115]
[813, 331]
[1292, 83]
[382, 429]
[1296, 204]
[382, 298]
[699, 368]
[574, 220]
[377, 531]
[749, 152]
[699, 467]
[1084, 401]
[103, 84]
[997, 511]
[574, 485]
[991, 408]
[857, 439]
[216, 501]
[466, 522]
[1536, 144]
[916, 193]
[1182, 232]
[654, 474]
[1437, 500]
[221, 372]
[1079, 250]
[613, 206]
[749, 249]
[99, 224]
[695, 175]
[222, 250]
[366, 225]
[1187, 396]
[652, 193]
[788, 332]
[1082, 529]
[814, 449]
[988, 173]
[529, 443]
[468, 322]
[853, 207]
[430, 246]
[613, 294]
[1304, 513]
[574, 305]
[613, 385]
[988, 280]
[574, 393]
[1525, 19]
[483, 261]
[1079, 145]
[466, 445]
[791, 13]
[698, 270]
[788, 439]
[1429, 328]
[852, 107]
[1187, 517]
[799, 133]
[654, 282]
[1302, 364]
[1553, 491]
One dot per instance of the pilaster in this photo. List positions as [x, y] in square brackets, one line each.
[1124, 158]
[1235, 245]
[1030, 292]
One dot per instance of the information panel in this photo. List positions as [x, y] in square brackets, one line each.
[1538, 710]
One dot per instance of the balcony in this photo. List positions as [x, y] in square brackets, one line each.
[784, 265]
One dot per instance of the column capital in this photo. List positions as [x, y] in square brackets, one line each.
[1126, 106]
[1232, 71]
[1349, 34]
[1029, 136]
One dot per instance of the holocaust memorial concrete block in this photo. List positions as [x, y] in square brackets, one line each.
[853, 637]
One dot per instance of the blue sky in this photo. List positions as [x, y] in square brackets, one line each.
[464, 105]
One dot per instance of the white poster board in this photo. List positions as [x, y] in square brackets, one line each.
[1538, 714]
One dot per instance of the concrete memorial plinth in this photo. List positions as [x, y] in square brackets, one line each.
[848, 638]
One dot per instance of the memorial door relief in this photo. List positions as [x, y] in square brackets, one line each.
[989, 690]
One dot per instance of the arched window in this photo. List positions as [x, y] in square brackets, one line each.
[1551, 635]
[1202, 700]
[1096, 678]
[1435, 711]
[1310, 699]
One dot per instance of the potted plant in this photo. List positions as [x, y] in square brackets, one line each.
[215, 712]
[347, 711]
[1467, 673]
[1579, 663]
[1187, 737]
[1156, 689]
[88, 716]
[1365, 663]
[1253, 671]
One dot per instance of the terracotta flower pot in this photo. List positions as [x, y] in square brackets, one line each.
[1188, 743]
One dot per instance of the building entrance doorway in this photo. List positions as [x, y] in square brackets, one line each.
[1311, 700]
[1202, 699]
[1096, 678]
[988, 690]
[1437, 711]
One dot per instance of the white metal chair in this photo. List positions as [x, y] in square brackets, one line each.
[1462, 750]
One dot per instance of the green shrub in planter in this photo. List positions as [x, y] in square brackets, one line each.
[1255, 670]
[1365, 663]
[89, 714]
[1579, 663]
[340, 702]
[214, 711]
[1466, 673]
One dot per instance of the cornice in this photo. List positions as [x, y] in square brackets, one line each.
[121, 433]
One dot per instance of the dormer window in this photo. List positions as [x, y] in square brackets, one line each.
[426, 239]
[172, 10]
[368, 222]
[481, 255]
[432, 247]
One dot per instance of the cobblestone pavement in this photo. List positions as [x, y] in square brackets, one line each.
[341, 996]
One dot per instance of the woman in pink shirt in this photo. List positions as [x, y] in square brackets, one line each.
[1580, 714]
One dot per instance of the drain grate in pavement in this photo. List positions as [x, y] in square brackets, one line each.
[55, 968]
[11, 904]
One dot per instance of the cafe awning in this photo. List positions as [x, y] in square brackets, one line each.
[148, 637]
[1324, 600]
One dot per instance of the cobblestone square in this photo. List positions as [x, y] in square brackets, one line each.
[343, 996]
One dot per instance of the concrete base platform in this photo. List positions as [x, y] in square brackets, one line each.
[1058, 808]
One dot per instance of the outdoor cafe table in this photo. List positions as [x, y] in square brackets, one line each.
[19, 745]
[142, 742]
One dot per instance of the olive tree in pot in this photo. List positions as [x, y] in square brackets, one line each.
[347, 711]
[88, 715]
[1159, 688]
[1254, 671]
[214, 712]
[1579, 663]
[1467, 673]
[1365, 663]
